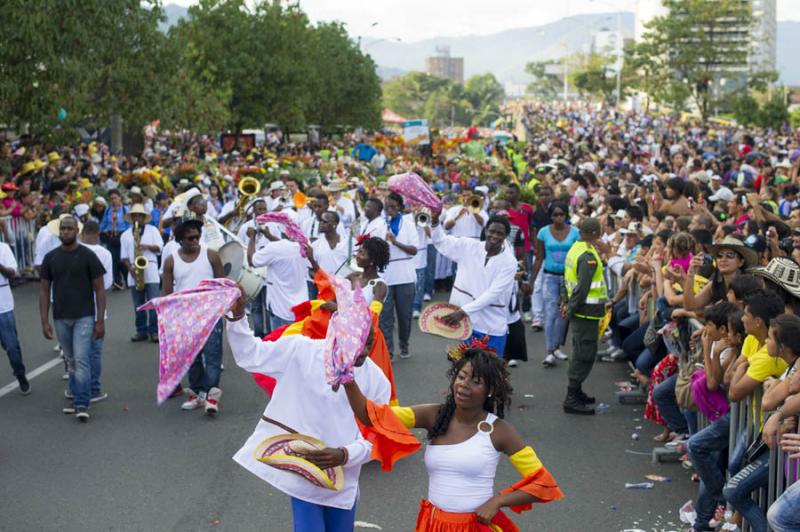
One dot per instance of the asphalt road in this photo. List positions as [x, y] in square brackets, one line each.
[137, 466]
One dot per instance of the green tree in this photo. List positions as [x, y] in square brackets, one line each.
[485, 95]
[407, 95]
[449, 106]
[592, 75]
[545, 86]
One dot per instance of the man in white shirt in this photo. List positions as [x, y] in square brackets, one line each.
[8, 325]
[373, 223]
[400, 275]
[460, 222]
[286, 275]
[90, 237]
[150, 244]
[258, 305]
[303, 401]
[319, 204]
[330, 250]
[484, 279]
[343, 205]
[277, 199]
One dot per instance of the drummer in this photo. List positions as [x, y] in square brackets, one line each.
[258, 305]
[484, 278]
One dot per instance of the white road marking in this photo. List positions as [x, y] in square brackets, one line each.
[8, 388]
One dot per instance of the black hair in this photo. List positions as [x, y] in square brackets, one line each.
[664, 235]
[332, 213]
[743, 285]
[378, 251]
[646, 242]
[91, 227]
[703, 237]
[735, 323]
[718, 314]
[398, 199]
[487, 366]
[635, 212]
[788, 299]
[787, 332]
[376, 200]
[557, 205]
[184, 225]
[677, 184]
[499, 220]
[764, 304]
[321, 196]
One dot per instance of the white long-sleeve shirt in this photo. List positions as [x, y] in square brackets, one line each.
[303, 401]
[482, 288]
[286, 276]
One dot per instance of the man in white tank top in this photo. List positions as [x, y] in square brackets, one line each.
[184, 269]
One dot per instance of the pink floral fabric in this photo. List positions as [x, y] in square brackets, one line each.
[185, 321]
[347, 332]
[415, 190]
[291, 229]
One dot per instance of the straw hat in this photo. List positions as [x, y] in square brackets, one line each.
[430, 321]
[138, 208]
[52, 225]
[280, 451]
[336, 185]
[782, 271]
[729, 242]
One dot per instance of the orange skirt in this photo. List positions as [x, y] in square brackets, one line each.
[432, 519]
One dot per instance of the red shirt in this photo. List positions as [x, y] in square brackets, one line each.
[522, 217]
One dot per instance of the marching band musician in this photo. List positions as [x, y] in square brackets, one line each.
[459, 221]
[373, 223]
[343, 205]
[277, 200]
[258, 305]
[149, 246]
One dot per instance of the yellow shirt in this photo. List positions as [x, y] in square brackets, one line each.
[761, 365]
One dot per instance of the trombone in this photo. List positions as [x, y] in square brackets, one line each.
[248, 187]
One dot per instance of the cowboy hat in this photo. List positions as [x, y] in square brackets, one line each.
[729, 242]
[276, 185]
[782, 271]
[336, 185]
[283, 451]
[430, 321]
[53, 225]
[138, 208]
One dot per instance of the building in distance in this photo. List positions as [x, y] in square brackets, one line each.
[442, 65]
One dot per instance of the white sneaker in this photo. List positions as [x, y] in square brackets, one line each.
[549, 361]
[65, 377]
[415, 314]
[194, 401]
[212, 401]
[57, 348]
[559, 354]
[527, 316]
[426, 297]
[513, 363]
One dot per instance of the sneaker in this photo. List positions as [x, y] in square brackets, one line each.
[194, 401]
[405, 354]
[527, 316]
[24, 385]
[561, 355]
[607, 351]
[68, 410]
[212, 401]
[618, 355]
[65, 377]
[82, 414]
[154, 338]
[549, 361]
[57, 348]
[97, 397]
[426, 297]
[415, 314]
[513, 363]
[680, 440]
[537, 326]
[139, 337]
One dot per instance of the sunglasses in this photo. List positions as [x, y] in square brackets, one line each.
[727, 255]
[558, 213]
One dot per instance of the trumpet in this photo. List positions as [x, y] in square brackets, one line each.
[474, 203]
[248, 187]
[423, 218]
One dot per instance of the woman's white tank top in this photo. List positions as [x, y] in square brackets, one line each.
[189, 274]
[367, 289]
[461, 476]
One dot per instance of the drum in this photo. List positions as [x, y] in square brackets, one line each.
[235, 268]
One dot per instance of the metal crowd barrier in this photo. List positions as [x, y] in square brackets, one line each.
[20, 234]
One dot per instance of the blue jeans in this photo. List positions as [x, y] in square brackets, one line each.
[537, 299]
[741, 486]
[498, 343]
[205, 371]
[258, 311]
[419, 289]
[146, 320]
[664, 396]
[96, 363]
[75, 337]
[399, 299]
[277, 322]
[10, 342]
[707, 451]
[647, 361]
[555, 326]
[430, 269]
[310, 517]
[784, 514]
[633, 344]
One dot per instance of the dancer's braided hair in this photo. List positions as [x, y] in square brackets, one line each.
[487, 366]
[378, 251]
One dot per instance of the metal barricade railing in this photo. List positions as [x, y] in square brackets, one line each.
[20, 235]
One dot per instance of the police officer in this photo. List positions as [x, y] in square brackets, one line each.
[584, 306]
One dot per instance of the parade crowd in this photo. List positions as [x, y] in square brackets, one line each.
[667, 244]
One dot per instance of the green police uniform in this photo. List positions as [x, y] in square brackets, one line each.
[586, 296]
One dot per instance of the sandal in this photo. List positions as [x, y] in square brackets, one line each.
[663, 437]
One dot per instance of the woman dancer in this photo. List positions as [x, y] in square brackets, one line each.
[372, 257]
[466, 435]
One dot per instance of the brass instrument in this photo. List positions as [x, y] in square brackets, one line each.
[474, 203]
[139, 261]
[248, 187]
[299, 200]
[423, 218]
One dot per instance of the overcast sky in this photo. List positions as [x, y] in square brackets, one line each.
[415, 20]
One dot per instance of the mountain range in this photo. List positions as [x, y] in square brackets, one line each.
[506, 53]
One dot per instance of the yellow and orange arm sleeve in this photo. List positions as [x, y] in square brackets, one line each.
[536, 480]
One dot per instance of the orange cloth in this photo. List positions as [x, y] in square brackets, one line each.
[380, 355]
[391, 440]
[540, 484]
[432, 519]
